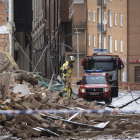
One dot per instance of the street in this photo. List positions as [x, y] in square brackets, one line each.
[123, 97]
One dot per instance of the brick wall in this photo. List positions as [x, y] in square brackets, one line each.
[4, 18]
[133, 36]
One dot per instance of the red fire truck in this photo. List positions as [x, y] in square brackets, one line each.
[109, 64]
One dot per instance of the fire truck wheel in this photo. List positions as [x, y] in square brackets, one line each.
[109, 101]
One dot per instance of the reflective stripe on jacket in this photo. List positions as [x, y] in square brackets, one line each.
[68, 73]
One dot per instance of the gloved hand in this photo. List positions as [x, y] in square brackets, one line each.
[71, 66]
[60, 94]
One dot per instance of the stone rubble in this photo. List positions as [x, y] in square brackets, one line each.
[27, 126]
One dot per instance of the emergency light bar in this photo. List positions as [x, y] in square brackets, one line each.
[91, 71]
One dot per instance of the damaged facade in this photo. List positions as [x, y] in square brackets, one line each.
[35, 24]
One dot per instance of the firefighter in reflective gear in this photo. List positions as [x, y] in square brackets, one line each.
[66, 71]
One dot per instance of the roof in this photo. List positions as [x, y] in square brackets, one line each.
[82, 64]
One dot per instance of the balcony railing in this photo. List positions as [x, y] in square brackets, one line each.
[81, 24]
[101, 27]
[101, 3]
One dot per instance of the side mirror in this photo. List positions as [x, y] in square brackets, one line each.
[139, 76]
[78, 83]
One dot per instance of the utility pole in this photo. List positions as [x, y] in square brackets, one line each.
[77, 52]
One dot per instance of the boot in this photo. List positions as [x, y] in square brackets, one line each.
[60, 94]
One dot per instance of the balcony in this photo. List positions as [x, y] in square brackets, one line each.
[80, 25]
[101, 3]
[101, 27]
[66, 10]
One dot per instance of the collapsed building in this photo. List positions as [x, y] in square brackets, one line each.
[28, 105]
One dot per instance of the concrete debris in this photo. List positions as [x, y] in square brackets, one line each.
[26, 95]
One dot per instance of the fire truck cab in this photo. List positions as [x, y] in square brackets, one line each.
[109, 64]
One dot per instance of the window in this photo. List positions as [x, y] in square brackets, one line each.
[121, 46]
[115, 19]
[99, 41]
[115, 45]
[88, 15]
[78, 1]
[110, 18]
[104, 20]
[93, 16]
[121, 20]
[104, 15]
[104, 42]
[99, 15]
[93, 40]
[96, 79]
[110, 44]
[89, 40]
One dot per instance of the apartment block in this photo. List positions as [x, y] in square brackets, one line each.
[114, 25]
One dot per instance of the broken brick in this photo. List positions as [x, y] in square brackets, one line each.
[36, 132]
[36, 105]
[28, 120]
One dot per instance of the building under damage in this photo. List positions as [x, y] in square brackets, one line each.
[35, 111]
[27, 28]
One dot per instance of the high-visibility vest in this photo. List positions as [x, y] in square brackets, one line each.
[68, 73]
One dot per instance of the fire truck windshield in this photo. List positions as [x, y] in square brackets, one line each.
[105, 66]
[95, 79]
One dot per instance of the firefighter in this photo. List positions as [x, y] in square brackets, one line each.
[66, 70]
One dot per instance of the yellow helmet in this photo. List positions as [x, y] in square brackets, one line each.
[72, 59]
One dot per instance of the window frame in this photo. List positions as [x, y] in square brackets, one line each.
[115, 17]
[110, 18]
[110, 44]
[115, 41]
[104, 42]
[121, 20]
[100, 41]
[88, 39]
[121, 46]
[88, 15]
[93, 40]
[100, 15]
[93, 16]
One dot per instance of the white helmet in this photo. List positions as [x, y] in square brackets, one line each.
[72, 59]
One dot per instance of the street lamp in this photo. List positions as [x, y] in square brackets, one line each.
[77, 52]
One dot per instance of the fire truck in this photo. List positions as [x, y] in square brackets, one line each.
[108, 63]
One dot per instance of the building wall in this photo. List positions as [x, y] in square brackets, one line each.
[91, 26]
[116, 31]
[4, 23]
[133, 37]
[80, 38]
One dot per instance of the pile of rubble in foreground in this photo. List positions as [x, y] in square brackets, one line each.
[57, 125]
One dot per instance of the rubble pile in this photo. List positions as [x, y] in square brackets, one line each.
[26, 96]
